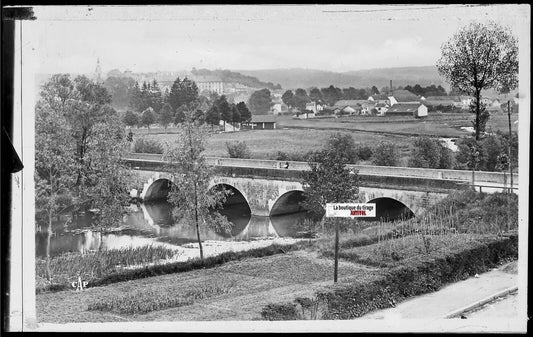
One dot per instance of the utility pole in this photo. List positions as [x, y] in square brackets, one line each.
[336, 251]
[509, 149]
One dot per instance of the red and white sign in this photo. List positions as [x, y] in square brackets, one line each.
[350, 210]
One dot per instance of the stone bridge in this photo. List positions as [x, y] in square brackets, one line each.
[267, 197]
[269, 189]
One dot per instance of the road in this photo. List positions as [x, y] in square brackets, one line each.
[506, 307]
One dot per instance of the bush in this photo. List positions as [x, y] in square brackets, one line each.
[143, 145]
[430, 153]
[294, 156]
[419, 274]
[471, 212]
[386, 154]
[279, 312]
[238, 150]
[343, 144]
[364, 152]
[463, 157]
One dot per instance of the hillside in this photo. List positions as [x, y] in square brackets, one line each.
[306, 78]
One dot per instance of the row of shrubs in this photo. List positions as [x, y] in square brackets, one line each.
[409, 277]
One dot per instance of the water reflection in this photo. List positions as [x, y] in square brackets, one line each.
[154, 223]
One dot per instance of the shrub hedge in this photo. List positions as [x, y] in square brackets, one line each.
[411, 277]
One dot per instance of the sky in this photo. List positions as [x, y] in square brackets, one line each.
[168, 38]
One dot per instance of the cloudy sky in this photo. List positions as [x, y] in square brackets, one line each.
[335, 38]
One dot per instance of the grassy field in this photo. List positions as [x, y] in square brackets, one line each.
[436, 124]
[264, 144]
[295, 136]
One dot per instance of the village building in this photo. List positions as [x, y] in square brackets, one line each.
[306, 114]
[379, 98]
[408, 109]
[314, 106]
[262, 122]
[381, 108]
[279, 108]
[354, 107]
[403, 96]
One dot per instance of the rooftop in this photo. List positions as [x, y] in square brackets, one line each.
[404, 107]
[263, 119]
[405, 96]
[350, 102]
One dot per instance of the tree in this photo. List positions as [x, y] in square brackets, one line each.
[182, 92]
[86, 106]
[425, 153]
[350, 93]
[479, 57]
[121, 90]
[344, 145]
[224, 108]
[300, 99]
[135, 98]
[288, 98]
[260, 102]
[130, 118]
[55, 166]
[179, 116]
[190, 195]
[374, 90]
[246, 115]
[328, 180]
[235, 115]
[385, 154]
[465, 159]
[430, 153]
[165, 115]
[331, 94]
[315, 95]
[95, 141]
[155, 96]
[147, 117]
[213, 116]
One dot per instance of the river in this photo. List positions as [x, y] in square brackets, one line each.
[153, 223]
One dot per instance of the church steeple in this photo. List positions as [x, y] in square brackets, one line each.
[98, 72]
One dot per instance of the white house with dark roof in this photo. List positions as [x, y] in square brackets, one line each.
[379, 98]
[354, 106]
[408, 109]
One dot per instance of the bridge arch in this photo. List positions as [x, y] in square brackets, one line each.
[158, 190]
[287, 203]
[237, 197]
[389, 209]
